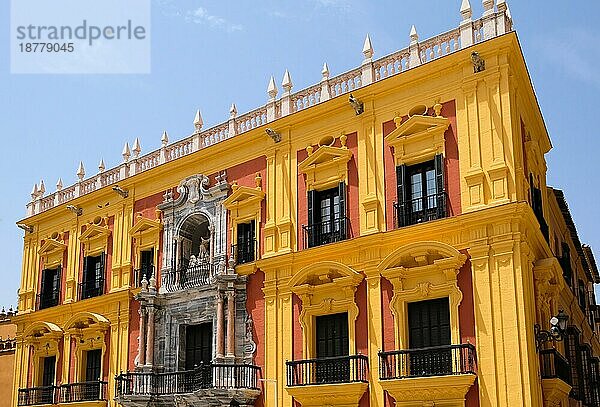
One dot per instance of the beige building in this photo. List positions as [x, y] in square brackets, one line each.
[7, 356]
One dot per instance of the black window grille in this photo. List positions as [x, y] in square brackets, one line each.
[327, 221]
[49, 295]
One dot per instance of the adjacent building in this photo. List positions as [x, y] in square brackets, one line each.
[384, 237]
[8, 345]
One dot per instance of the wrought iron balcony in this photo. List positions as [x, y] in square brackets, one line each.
[340, 369]
[419, 210]
[424, 362]
[187, 277]
[92, 288]
[553, 365]
[47, 299]
[209, 376]
[244, 252]
[330, 231]
[139, 274]
[37, 395]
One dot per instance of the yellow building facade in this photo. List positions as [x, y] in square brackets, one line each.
[385, 237]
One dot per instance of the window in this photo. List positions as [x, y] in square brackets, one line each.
[332, 342]
[245, 249]
[50, 288]
[93, 359]
[581, 295]
[198, 345]
[93, 276]
[537, 206]
[429, 327]
[327, 222]
[573, 355]
[146, 267]
[565, 263]
[421, 192]
[48, 371]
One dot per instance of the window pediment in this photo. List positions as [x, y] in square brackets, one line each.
[243, 196]
[87, 320]
[417, 139]
[51, 246]
[327, 166]
[146, 225]
[93, 232]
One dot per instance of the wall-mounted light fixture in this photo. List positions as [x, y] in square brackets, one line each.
[25, 227]
[75, 209]
[556, 333]
[123, 192]
[356, 104]
[276, 136]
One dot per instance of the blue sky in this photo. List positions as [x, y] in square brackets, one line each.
[208, 54]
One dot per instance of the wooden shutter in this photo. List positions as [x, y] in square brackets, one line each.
[438, 164]
[86, 261]
[401, 195]
[312, 214]
[342, 198]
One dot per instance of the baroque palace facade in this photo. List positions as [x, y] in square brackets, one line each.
[384, 237]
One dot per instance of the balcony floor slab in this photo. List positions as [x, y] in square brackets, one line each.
[446, 391]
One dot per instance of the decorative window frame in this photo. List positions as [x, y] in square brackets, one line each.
[334, 293]
[423, 271]
[95, 239]
[418, 139]
[146, 235]
[245, 205]
[51, 253]
[326, 167]
[44, 337]
[89, 330]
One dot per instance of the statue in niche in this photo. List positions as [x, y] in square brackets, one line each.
[204, 252]
[193, 261]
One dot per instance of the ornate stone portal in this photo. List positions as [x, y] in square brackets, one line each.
[197, 286]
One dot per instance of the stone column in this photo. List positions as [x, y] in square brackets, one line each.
[231, 323]
[220, 318]
[142, 339]
[150, 337]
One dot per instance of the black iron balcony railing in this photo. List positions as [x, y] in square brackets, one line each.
[553, 365]
[47, 299]
[85, 391]
[187, 277]
[419, 210]
[244, 252]
[209, 376]
[424, 362]
[37, 395]
[139, 274]
[340, 369]
[66, 393]
[92, 288]
[329, 231]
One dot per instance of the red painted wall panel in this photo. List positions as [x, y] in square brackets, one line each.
[296, 328]
[360, 297]
[134, 332]
[387, 291]
[255, 307]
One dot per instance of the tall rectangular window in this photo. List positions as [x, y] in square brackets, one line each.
[245, 250]
[50, 288]
[48, 371]
[146, 266]
[332, 345]
[327, 221]
[93, 363]
[421, 192]
[93, 276]
[198, 345]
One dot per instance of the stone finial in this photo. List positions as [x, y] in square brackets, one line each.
[258, 180]
[414, 37]
[137, 149]
[144, 283]
[101, 166]
[437, 108]
[343, 140]
[80, 171]
[488, 7]
[59, 184]
[465, 10]
[397, 120]
[272, 89]
[42, 188]
[367, 48]
[508, 15]
[164, 140]
[501, 4]
[34, 192]
[287, 82]
[309, 150]
[126, 153]
[325, 71]
[198, 122]
[233, 111]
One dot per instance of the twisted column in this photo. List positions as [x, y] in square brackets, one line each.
[220, 321]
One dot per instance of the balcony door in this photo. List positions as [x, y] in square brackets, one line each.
[245, 242]
[327, 215]
[93, 276]
[429, 332]
[146, 264]
[46, 394]
[332, 346]
[198, 356]
[50, 288]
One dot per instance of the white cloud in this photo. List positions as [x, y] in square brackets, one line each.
[203, 17]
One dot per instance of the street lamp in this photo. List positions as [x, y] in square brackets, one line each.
[558, 326]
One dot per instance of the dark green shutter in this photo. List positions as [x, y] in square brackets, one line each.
[401, 195]
[312, 213]
[438, 165]
[343, 221]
